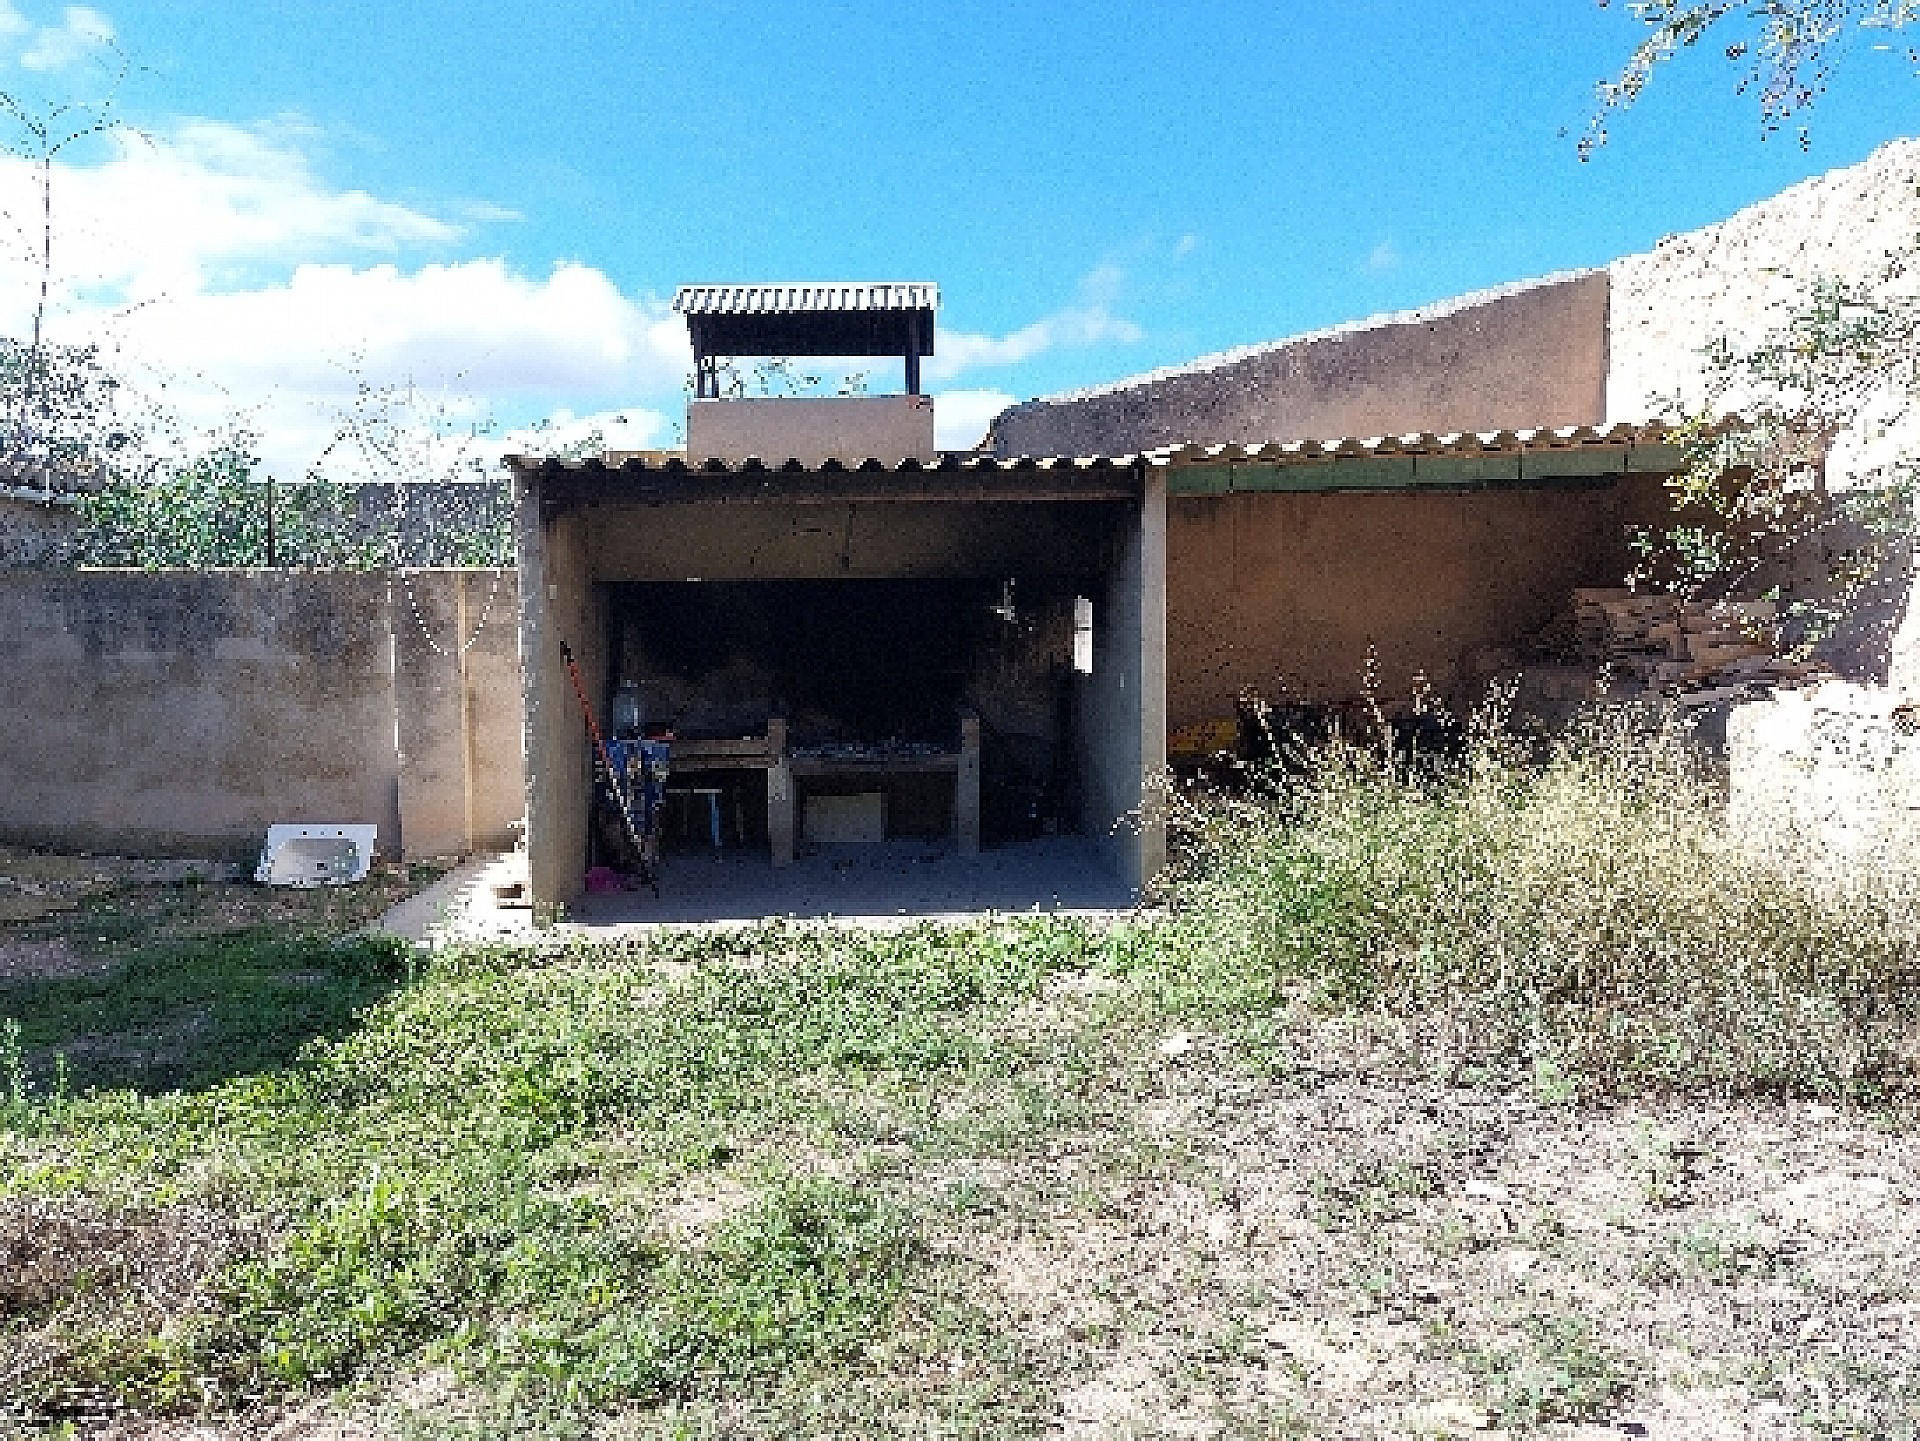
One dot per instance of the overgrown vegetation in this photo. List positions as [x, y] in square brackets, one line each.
[1755, 512]
[1590, 922]
[219, 511]
[1786, 51]
[805, 1180]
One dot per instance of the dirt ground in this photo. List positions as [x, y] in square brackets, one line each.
[1341, 1252]
[69, 916]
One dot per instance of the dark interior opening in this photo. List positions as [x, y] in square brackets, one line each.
[857, 663]
[849, 662]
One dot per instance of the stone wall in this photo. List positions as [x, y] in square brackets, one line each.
[1527, 355]
[1746, 276]
[156, 711]
[1828, 777]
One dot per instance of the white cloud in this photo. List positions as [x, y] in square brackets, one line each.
[216, 265]
[1089, 321]
[961, 417]
[1381, 259]
[224, 274]
[294, 355]
[485, 212]
[205, 206]
[959, 351]
[81, 31]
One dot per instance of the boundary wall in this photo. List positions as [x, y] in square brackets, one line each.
[1524, 355]
[185, 711]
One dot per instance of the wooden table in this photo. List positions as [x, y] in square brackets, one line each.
[770, 753]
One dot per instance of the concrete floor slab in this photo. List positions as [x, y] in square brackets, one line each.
[890, 882]
[894, 883]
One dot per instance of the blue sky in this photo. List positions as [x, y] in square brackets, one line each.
[496, 200]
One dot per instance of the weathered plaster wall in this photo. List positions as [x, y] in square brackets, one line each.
[1530, 355]
[187, 711]
[1289, 593]
[812, 429]
[457, 689]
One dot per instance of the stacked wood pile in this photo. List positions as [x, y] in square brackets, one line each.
[1698, 651]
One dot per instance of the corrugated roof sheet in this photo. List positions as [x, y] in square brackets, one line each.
[1462, 445]
[806, 298]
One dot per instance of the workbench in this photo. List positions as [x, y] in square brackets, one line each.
[772, 753]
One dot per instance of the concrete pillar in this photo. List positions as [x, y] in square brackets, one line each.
[1150, 853]
[556, 603]
[966, 788]
[1122, 704]
[780, 797]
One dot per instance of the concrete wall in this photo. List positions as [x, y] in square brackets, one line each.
[457, 704]
[1531, 355]
[557, 605]
[36, 532]
[1122, 704]
[812, 430]
[1288, 593]
[187, 711]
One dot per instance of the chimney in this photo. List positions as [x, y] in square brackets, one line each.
[850, 319]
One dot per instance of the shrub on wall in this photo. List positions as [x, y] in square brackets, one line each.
[218, 511]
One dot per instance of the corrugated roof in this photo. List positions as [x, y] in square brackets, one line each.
[646, 462]
[809, 298]
[1463, 445]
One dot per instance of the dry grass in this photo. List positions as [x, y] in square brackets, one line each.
[1591, 922]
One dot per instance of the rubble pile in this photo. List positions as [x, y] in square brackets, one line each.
[1698, 651]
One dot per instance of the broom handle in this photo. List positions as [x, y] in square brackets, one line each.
[600, 747]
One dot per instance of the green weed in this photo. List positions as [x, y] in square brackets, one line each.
[1586, 925]
[1550, 1369]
